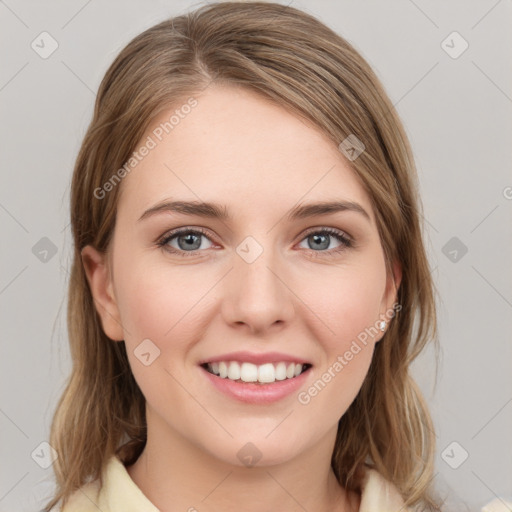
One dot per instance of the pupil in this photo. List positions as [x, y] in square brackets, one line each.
[318, 238]
[190, 239]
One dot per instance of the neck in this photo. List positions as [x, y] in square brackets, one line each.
[176, 475]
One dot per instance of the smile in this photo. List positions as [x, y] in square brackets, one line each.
[248, 372]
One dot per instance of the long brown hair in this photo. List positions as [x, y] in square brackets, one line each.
[294, 60]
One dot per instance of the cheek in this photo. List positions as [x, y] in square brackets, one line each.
[348, 308]
[163, 307]
[160, 303]
[347, 301]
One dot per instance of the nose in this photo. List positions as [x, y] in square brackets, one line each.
[257, 297]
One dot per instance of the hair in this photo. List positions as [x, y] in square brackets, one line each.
[292, 59]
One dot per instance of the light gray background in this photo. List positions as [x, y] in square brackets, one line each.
[457, 114]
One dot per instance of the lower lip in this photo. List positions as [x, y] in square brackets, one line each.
[253, 393]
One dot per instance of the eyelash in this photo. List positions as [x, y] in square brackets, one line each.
[346, 242]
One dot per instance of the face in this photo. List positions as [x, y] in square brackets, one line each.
[269, 289]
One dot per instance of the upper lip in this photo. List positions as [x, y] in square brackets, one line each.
[255, 358]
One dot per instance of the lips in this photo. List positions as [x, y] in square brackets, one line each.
[257, 392]
[256, 358]
[248, 372]
[256, 377]
[253, 367]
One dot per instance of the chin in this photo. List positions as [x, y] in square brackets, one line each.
[258, 450]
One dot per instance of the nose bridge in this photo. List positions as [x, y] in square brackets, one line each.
[257, 294]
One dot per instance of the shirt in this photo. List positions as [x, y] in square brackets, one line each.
[120, 494]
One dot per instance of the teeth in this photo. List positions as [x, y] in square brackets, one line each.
[233, 371]
[248, 372]
[281, 371]
[266, 373]
[223, 369]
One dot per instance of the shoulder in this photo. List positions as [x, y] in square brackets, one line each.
[119, 493]
[379, 494]
[84, 499]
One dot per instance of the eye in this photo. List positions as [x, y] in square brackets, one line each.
[185, 241]
[319, 240]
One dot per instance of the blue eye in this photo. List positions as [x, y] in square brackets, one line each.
[320, 240]
[189, 241]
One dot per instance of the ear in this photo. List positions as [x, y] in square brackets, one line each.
[98, 275]
[390, 297]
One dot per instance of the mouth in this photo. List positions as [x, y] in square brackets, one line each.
[263, 374]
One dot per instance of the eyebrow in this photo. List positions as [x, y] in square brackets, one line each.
[216, 211]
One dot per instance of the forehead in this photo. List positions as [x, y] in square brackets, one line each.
[237, 148]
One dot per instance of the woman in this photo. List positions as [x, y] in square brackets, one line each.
[248, 266]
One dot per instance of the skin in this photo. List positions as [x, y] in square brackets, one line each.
[293, 298]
